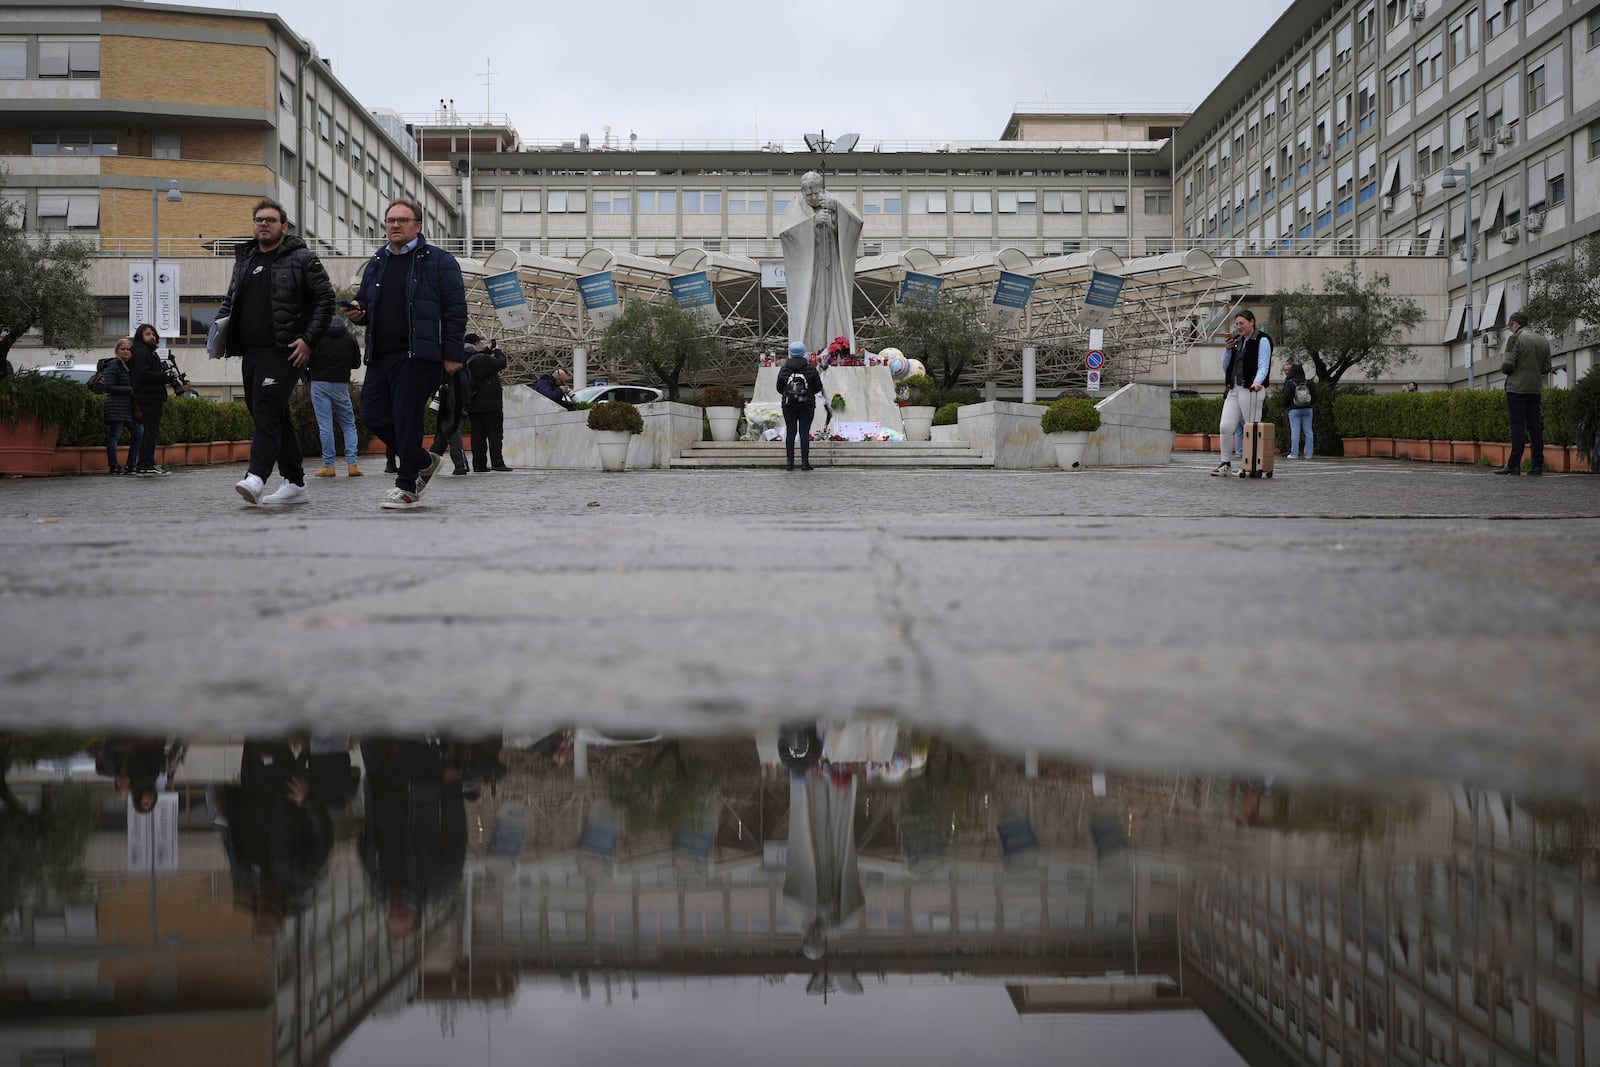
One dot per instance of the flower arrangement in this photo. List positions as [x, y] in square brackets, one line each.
[837, 403]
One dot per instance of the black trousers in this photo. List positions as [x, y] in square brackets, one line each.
[1526, 420]
[797, 423]
[393, 398]
[268, 381]
[150, 417]
[488, 438]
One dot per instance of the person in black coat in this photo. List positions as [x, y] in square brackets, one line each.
[799, 402]
[118, 381]
[149, 393]
[486, 404]
[414, 835]
[278, 837]
[335, 356]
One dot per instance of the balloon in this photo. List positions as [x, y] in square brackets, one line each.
[916, 368]
[897, 363]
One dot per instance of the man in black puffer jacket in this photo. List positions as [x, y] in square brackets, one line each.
[278, 306]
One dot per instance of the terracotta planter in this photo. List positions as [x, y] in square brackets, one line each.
[1409, 448]
[1464, 451]
[1580, 459]
[67, 461]
[1558, 458]
[240, 451]
[1188, 442]
[1358, 447]
[1382, 447]
[1496, 452]
[1439, 451]
[219, 452]
[27, 448]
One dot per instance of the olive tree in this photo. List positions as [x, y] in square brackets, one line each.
[1346, 323]
[659, 338]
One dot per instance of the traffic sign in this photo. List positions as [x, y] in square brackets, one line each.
[1094, 381]
[1094, 359]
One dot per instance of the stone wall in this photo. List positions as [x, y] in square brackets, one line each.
[541, 433]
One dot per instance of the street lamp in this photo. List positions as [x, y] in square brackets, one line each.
[1449, 182]
[174, 196]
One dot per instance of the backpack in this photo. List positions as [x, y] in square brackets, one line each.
[797, 390]
[97, 381]
[1302, 393]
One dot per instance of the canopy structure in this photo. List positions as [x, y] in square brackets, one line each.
[1167, 303]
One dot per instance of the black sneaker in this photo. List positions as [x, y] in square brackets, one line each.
[1514, 472]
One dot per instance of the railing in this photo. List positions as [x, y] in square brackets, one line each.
[772, 249]
[1050, 107]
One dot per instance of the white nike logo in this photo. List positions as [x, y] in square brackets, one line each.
[269, 381]
[258, 269]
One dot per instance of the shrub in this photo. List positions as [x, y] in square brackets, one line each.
[1555, 409]
[1196, 414]
[91, 427]
[948, 415]
[919, 390]
[1583, 413]
[187, 419]
[721, 396]
[53, 401]
[960, 395]
[616, 415]
[1070, 414]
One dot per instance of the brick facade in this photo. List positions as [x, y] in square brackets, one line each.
[187, 72]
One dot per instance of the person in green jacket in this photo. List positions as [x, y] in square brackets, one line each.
[1527, 362]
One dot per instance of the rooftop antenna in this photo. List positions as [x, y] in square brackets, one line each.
[488, 83]
[819, 143]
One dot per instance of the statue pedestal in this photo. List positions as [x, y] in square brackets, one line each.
[868, 394]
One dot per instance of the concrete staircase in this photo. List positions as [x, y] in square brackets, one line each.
[711, 454]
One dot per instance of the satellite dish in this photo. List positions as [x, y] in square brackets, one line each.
[814, 142]
[846, 143]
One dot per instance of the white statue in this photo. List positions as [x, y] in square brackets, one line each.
[820, 236]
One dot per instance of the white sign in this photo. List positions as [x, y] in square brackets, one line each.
[1094, 381]
[1097, 338]
[139, 295]
[773, 276]
[169, 314]
[153, 836]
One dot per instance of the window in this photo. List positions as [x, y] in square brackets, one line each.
[484, 197]
[1324, 60]
[982, 203]
[519, 201]
[1399, 87]
[572, 202]
[961, 202]
[1107, 202]
[657, 202]
[1027, 203]
[286, 169]
[65, 58]
[1594, 140]
[383, 180]
[166, 145]
[324, 125]
[14, 60]
[342, 207]
[286, 92]
[742, 203]
[68, 210]
[1366, 102]
[1544, 80]
[341, 138]
[74, 144]
[1536, 89]
[1502, 16]
[1547, 182]
[1341, 42]
[311, 183]
[1395, 12]
[1158, 203]
[697, 202]
[875, 203]
[355, 157]
[324, 192]
[938, 203]
[1464, 38]
[1430, 61]
[1594, 30]
[1366, 25]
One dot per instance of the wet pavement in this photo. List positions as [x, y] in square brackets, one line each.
[1347, 621]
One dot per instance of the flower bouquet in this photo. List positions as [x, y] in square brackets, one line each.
[837, 403]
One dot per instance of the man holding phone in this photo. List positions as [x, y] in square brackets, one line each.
[414, 304]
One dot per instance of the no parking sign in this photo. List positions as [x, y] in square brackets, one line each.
[1094, 359]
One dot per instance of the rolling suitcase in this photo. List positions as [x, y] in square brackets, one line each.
[1260, 446]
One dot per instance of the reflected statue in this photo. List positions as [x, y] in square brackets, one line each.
[820, 235]
[822, 881]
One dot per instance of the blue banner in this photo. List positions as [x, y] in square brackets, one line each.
[598, 290]
[510, 305]
[1013, 290]
[920, 289]
[1104, 289]
[692, 290]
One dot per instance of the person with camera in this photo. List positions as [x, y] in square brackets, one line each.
[553, 384]
[278, 307]
[485, 404]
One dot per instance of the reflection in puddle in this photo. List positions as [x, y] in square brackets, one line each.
[607, 898]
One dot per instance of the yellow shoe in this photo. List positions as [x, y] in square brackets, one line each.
[352, 471]
[325, 472]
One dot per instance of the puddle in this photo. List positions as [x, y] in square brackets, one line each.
[863, 889]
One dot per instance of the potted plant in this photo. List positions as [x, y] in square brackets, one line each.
[724, 404]
[34, 409]
[918, 411]
[614, 423]
[1069, 422]
[1583, 413]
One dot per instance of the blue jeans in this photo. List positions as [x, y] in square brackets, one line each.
[329, 399]
[114, 433]
[1300, 423]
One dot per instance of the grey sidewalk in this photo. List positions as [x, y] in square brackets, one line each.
[1348, 619]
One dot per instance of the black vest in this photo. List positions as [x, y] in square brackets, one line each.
[1246, 361]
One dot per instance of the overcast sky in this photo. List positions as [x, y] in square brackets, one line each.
[891, 70]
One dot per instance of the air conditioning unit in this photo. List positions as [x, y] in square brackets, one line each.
[1506, 135]
[1418, 188]
[1388, 201]
[1511, 232]
[1419, 12]
[1533, 221]
[1486, 149]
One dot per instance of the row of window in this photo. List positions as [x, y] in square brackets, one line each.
[1543, 85]
[873, 202]
[163, 145]
[49, 57]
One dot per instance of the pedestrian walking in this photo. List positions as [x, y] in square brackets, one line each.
[1246, 360]
[278, 307]
[1527, 361]
[335, 356]
[415, 307]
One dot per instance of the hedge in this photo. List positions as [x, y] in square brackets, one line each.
[1457, 415]
[184, 420]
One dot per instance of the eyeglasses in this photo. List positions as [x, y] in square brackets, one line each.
[397, 222]
[266, 220]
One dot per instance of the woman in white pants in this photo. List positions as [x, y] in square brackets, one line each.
[1246, 359]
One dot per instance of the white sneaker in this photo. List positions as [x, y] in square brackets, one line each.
[1222, 470]
[425, 475]
[251, 489]
[288, 493]
[397, 499]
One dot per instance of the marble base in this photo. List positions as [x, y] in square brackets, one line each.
[540, 433]
[868, 394]
[1135, 430]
